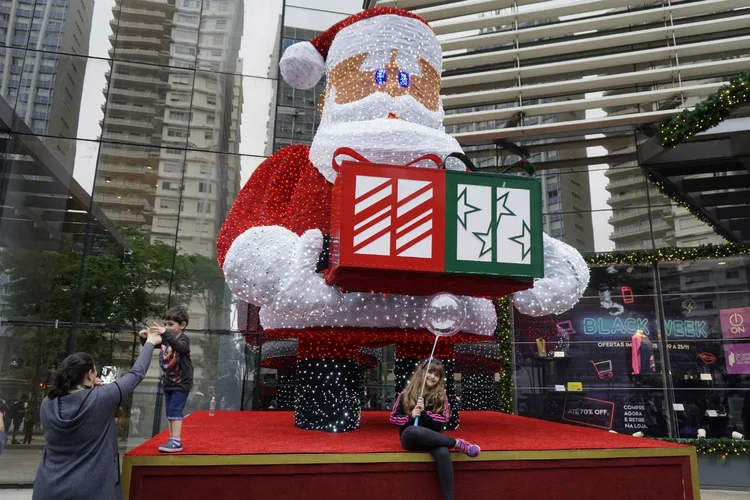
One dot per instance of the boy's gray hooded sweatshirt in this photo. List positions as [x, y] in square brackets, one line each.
[81, 459]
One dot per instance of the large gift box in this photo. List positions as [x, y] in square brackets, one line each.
[420, 231]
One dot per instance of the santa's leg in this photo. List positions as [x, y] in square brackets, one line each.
[408, 357]
[479, 392]
[327, 391]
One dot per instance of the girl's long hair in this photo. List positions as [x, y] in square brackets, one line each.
[434, 399]
[70, 373]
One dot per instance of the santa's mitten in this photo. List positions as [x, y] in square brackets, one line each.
[481, 316]
[566, 276]
[272, 267]
[303, 291]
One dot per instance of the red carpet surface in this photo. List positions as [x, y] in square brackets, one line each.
[273, 432]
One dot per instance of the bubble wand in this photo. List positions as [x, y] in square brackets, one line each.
[444, 316]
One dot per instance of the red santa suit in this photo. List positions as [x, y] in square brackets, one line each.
[382, 63]
[269, 248]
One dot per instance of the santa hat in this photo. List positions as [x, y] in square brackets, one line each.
[304, 63]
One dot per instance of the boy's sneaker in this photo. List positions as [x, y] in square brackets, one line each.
[171, 446]
[468, 449]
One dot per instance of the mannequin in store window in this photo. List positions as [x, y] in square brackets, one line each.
[642, 355]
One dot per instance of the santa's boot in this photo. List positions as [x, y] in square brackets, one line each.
[285, 389]
[327, 391]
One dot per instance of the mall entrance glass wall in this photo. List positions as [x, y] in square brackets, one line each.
[695, 317]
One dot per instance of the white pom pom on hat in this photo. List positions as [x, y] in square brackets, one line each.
[304, 63]
[302, 66]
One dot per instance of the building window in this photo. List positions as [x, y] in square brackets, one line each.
[203, 207]
[204, 187]
[182, 18]
[209, 135]
[210, 118]
[218, 39]
[173, 132]
[211, 101]
[206, 169]
[182, 116]
[223, 5]
[171, 167]
[181, 49]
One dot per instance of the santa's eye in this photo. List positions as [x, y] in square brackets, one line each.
[381, 76]
[403, 78]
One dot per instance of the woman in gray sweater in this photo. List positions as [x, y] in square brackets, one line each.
[81, 459]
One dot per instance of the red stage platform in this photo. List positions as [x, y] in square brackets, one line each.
[260, 455]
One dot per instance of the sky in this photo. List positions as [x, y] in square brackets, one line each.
[261, 23]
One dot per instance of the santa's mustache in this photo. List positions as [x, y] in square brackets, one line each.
[381, 105]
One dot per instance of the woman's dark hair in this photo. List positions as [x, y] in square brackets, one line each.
[70, 373]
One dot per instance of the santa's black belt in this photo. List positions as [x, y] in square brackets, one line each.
[323, 258]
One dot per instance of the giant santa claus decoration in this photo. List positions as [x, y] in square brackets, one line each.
[382, 100]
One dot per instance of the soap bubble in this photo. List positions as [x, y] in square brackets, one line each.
[444, 314]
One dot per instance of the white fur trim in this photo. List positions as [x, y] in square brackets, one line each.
[375, 310]
[394, 142]
[274, 268]
[378, 36]
[302, 66]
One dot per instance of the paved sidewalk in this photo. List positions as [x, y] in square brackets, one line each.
[18, 463]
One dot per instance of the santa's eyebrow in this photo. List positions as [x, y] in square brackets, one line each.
[405, 62]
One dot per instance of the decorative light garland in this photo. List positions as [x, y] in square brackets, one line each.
[717, 446]
[677, 197]
[503, 335]
[708, 112]
[672, 254]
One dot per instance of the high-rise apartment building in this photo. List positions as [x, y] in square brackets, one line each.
[44, 86]
[640, 63]
[566, 196]
[169, 163]
[174, 101]
[295, 116]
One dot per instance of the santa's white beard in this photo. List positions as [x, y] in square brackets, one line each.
[388, 141]
[362, 126]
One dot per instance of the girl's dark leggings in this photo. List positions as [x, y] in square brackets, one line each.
[439, 446]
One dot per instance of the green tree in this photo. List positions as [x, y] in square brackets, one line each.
[111, 292]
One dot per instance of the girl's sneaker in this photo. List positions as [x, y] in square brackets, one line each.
[171, 446]
[468, 449]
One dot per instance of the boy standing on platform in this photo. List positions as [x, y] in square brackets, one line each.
[177, 368]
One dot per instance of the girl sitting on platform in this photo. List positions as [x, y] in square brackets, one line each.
[420, 420]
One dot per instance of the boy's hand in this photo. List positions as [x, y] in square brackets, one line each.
[98, 382]
[143, 333]
[157, 329]
[2, 422]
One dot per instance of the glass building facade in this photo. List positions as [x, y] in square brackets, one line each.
[128, 127]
